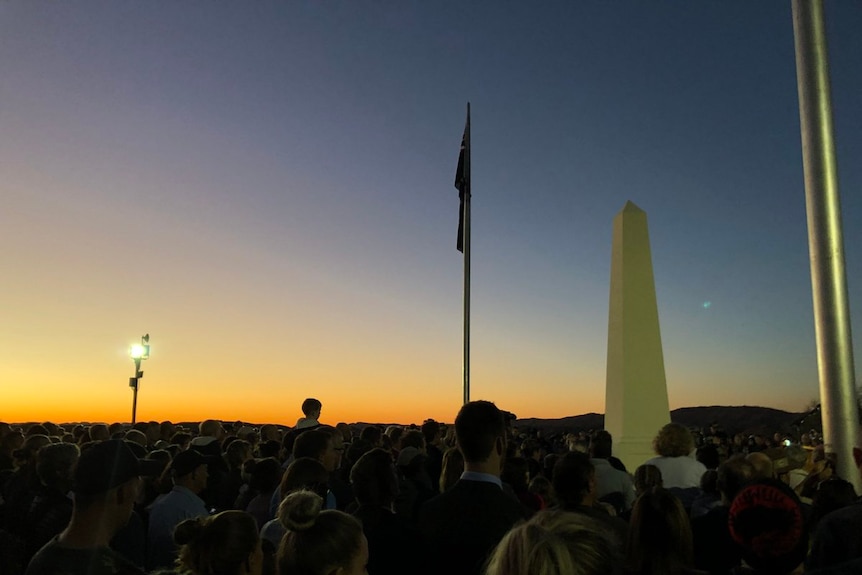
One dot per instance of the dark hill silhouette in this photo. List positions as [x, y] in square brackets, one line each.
[738, 419]
[732, 419]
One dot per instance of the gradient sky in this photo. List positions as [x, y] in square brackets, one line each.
[266, 188]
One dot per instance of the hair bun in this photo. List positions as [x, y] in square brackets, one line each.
[299, 510]
[188, 530]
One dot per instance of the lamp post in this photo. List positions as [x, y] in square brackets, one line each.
[138, 352]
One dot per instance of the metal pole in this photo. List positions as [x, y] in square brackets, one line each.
[825, 241]
[466, 216]
[135, 390]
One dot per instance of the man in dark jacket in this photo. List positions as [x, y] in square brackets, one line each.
[463, 525]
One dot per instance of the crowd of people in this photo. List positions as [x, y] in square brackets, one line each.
[479, 497]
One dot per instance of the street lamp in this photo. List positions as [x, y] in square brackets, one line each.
[138, 352]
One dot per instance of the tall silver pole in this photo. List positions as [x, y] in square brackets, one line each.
[825, 240]
[466, 220]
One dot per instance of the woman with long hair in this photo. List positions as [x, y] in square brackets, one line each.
[453, 467]
[659, 538]
[393, 541]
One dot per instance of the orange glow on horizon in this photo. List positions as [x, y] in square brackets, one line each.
[60, 411]
[109, 399]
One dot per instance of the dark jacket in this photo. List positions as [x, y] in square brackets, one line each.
[462, 526]
[394, 543]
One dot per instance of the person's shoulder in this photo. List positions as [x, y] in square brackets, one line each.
[617, 464]
[47, 559]
[613, 471]
[167, 498]
[716, 513]
[163, 504]
[459, 492]
[430, 511]
[852, 567]
[610, 525]
[306, 424]
[272, 530]
[396, 525]
[116, 564]
[269, 528]
[840, 518]
[439, 499]
[714, 520]
[55, 559]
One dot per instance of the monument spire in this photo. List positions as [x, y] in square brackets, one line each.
[636, 404]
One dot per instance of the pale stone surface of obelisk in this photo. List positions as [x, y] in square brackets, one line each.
[636, 405]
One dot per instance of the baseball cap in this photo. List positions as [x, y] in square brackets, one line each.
[187, 461]
[766, 521]
[107, 464]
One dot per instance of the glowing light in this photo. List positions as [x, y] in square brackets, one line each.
[707, 304]
[138, 351]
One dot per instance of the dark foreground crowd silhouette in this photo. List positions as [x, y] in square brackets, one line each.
[477, 497]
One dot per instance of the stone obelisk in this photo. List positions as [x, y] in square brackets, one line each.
[636, 405]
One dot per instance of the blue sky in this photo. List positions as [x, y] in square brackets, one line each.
[267, 189]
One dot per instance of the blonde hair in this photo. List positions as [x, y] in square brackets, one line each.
[453, 467]
[317, 541]
[554, 543]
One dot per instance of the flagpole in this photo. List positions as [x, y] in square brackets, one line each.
[466, 220]
[825, 240]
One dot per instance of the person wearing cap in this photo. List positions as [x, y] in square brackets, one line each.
[768, 526]
[106, 484]
[189, 472]
[51, 509]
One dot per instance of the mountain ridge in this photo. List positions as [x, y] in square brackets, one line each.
[732, 419]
